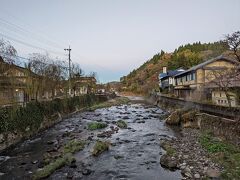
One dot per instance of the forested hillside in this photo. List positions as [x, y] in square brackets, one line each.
[145, 78]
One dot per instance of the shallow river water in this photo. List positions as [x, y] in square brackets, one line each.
[134, 154]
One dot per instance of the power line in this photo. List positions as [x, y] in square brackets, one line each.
[15, 28]
[30, 45]
[5, 55]
[20, 31]
[42, 34]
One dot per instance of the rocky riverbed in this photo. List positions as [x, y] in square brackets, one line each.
[186, 153]
[134, 151]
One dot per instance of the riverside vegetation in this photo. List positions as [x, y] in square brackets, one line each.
[224, 153]
[66, 157]
[96, 125]
[122, 124]
[100, 147]
[17, 122]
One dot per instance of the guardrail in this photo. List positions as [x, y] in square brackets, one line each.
[227, 112]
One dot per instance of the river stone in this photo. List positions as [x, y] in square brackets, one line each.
[35, 162]
[149, 134]
[188, 119]
[213, 173]
[168, 162]
[1, 138]
[197, 176]
[50, 142]
[4, 158]
[173, 119]
[73, 165]
[188, 174]
[90, 138]
[70, 175]
[118, 156]
[87, 172]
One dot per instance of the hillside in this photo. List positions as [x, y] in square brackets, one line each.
[145, 78]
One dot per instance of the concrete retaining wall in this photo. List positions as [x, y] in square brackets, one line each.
[227, 112]
[225, 128]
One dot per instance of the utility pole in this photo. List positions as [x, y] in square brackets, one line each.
[69, 68]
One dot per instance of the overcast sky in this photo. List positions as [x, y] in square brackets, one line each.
[112, 37]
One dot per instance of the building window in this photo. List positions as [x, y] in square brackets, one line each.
[193, 76]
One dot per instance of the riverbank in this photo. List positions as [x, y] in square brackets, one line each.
[187, 154]
[202, 151]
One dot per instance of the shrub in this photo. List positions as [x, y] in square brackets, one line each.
[5, 124]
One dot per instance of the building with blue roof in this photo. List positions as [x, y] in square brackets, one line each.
[167, 80]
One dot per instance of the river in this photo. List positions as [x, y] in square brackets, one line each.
[134, 152]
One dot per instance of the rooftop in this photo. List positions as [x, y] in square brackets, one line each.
[171, 73]
[221, 57]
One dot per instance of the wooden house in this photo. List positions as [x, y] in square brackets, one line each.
[190, 84]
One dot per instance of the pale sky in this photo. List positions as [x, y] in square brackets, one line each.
[112, 37]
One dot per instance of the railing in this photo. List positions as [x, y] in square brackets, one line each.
[224, 111]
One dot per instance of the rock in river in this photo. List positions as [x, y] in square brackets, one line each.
[168, 162]
[87, 172]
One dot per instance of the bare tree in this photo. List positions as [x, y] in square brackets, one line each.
[38, 65]
[94, 75]
[51, 72]
[7, 79]
[224, 79]
[7, 51]
[233, 40]
[77, 70]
